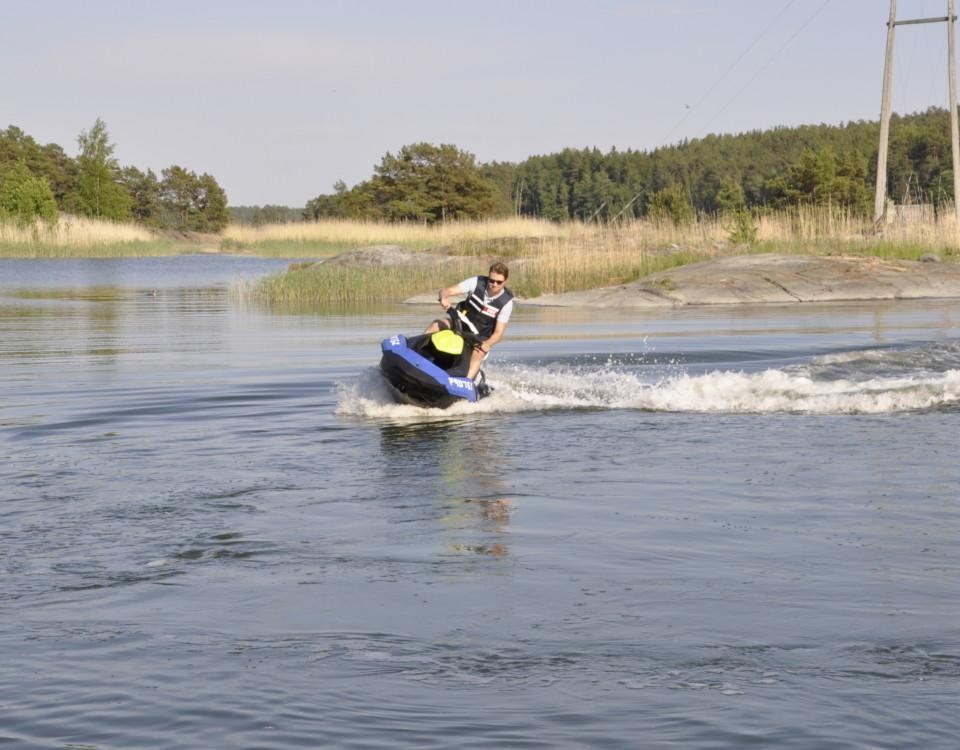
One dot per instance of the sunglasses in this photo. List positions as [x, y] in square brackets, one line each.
[497, 281]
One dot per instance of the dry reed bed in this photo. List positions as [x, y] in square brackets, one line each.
[545, 257]
[553, 258]
[359, 233]
[72, 236]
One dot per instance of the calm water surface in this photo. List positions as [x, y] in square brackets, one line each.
[710, 529]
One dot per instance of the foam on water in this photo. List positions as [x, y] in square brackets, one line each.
[864, 382]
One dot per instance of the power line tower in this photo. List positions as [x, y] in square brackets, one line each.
[880, 204]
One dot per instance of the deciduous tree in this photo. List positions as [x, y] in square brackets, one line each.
[99, 192]
[24, 197]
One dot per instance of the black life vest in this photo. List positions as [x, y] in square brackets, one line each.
[484, 316]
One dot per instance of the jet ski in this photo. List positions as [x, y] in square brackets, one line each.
[431, 369]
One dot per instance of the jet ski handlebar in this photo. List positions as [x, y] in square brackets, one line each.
[461, 325]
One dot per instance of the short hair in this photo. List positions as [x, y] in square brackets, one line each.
[500, 268]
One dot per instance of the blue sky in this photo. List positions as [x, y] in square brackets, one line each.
[278, 100]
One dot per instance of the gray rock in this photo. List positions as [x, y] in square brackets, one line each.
[773, 278]
[383, 255]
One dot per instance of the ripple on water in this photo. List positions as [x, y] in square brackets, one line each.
[355, 689]
[549, 569]
[227, 546]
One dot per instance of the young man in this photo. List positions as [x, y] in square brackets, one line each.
[488, 307]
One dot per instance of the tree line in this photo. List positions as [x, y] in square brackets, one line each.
[269, 214]
[754, 171]
[748, 172]
[41, 181]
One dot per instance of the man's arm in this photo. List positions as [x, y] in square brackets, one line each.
[445, 295]
[497, 334]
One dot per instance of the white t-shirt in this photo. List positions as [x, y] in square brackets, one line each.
[470, 284]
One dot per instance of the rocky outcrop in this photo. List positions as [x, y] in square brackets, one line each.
[773, 278]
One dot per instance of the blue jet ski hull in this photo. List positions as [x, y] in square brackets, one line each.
[415, 379]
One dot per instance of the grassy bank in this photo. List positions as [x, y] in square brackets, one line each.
[552, 258]
[345, 286]
[72, 237]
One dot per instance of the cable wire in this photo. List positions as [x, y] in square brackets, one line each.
[765, 66]
[691, 110]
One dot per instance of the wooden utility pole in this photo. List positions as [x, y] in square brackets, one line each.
[880, 203]
[954, 131]
[880, 200]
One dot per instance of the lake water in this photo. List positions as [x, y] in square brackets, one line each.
[688, 529]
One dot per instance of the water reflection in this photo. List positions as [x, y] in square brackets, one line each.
[98, 325]
[51, 324]
[464, 466]
[491, 516]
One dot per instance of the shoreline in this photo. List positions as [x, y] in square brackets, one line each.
[754, 278]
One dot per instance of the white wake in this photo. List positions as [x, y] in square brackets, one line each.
[797, 389]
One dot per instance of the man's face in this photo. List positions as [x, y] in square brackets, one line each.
[496, 282]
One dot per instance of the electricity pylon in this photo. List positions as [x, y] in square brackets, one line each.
[880, 204]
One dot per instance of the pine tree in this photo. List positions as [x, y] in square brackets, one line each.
[212, 205]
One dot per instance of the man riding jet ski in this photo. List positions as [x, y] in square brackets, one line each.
[442, 365]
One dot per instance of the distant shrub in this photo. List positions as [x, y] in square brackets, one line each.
[671, 204]
[743, 229]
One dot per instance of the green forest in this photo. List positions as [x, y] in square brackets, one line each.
[40, 181]
[762, 170]
[771, 169]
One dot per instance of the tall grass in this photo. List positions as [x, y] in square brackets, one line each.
[545, 257]
[330, 236]
[337, 286]
[78, 237]
[815, 231]
[826, 226]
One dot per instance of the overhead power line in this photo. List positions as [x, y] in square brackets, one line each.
[761, 35]
[766, 65]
